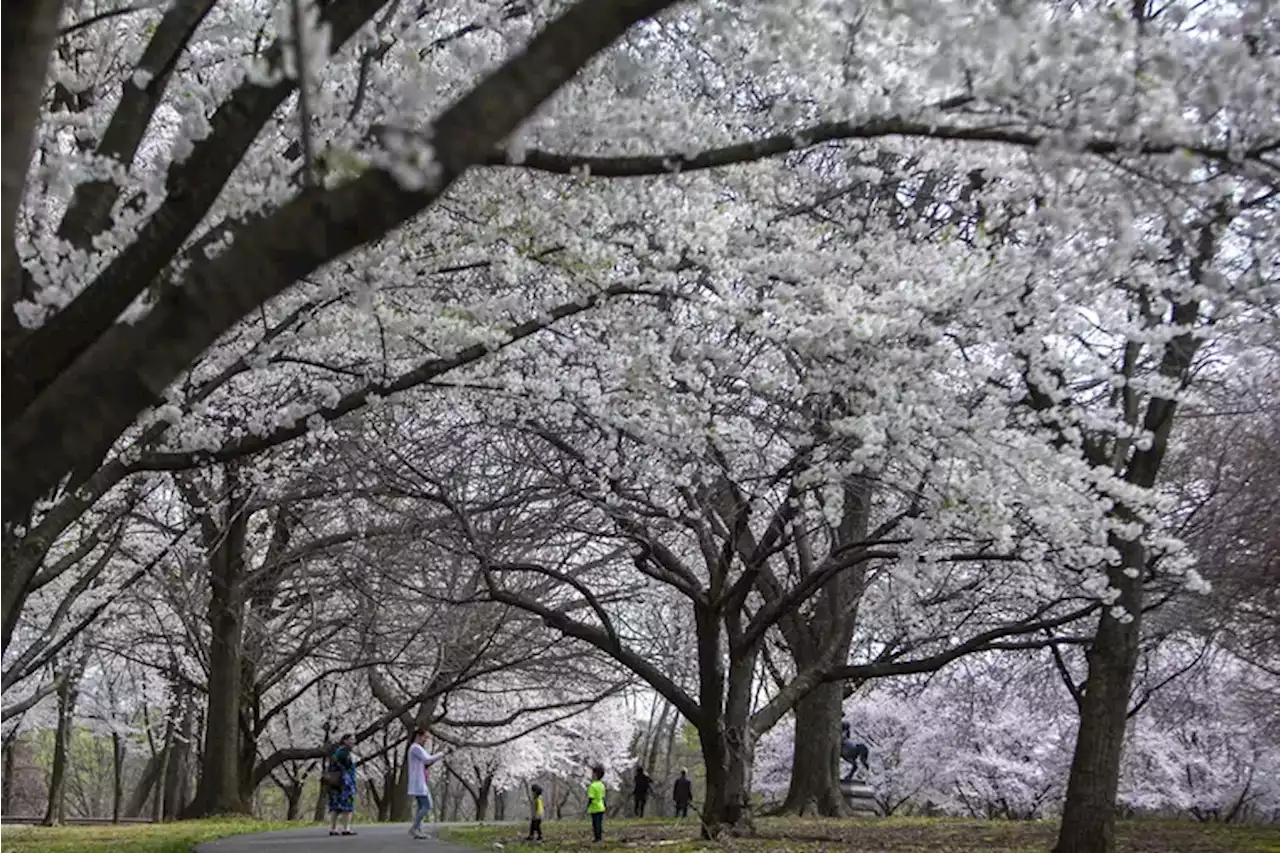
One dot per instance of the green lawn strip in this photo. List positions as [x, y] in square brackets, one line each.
[892, 835]
[178, 837]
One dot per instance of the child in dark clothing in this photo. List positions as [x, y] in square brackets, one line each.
[535, 823]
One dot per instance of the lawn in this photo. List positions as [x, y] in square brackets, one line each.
[893, 835]
[177, 837]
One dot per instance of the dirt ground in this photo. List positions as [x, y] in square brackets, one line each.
[893, 835]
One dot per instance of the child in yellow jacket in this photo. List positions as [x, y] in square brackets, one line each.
[535, 822]
[595, 802]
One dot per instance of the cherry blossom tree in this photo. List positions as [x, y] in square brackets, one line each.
[206, 151]
[228, 227]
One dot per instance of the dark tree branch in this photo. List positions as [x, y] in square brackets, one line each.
[784, 143]
[601, 639]
[34, 362]
[800, 686]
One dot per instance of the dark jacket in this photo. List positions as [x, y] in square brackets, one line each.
[683, 792]
[642, 784]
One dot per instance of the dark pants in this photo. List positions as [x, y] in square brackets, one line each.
[535, 829]
[597, 826]
[640, 801]
[682, 809]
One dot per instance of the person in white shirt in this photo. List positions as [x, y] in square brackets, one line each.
[420, 762]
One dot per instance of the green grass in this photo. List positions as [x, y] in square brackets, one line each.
[178, 837]
[891, 835]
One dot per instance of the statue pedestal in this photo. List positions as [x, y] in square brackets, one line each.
[859, 799]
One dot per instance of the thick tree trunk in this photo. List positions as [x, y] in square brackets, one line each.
[728, 750]
[726, 807]
[815, 763]
[724, 729]
[219, 791]
[55, 812]
[1088, 815]
[219, 788]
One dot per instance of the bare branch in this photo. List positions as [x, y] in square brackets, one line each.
[631, 166]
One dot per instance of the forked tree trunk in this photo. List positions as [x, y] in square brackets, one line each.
[728, 751]
[379, 791]
[400, 808]
[293, 801]
[482, 798]
[825, 635]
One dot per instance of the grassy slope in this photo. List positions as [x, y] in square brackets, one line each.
[894, 835]
[177, 837]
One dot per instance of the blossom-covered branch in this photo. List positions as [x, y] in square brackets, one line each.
[126, 368]
[425, 372]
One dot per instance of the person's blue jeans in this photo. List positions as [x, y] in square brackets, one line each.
[424, 809]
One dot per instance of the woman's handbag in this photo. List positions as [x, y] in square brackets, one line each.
[332, 779]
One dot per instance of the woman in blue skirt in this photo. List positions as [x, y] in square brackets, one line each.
[341, 777]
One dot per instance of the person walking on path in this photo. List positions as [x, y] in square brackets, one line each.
[419, 773]
[682, 795]
[539, 809]
[340, 776]
[595, 803]
[641, 790]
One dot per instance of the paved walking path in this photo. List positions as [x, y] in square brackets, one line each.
[370, 838]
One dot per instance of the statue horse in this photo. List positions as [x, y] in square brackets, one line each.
[852, 752]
